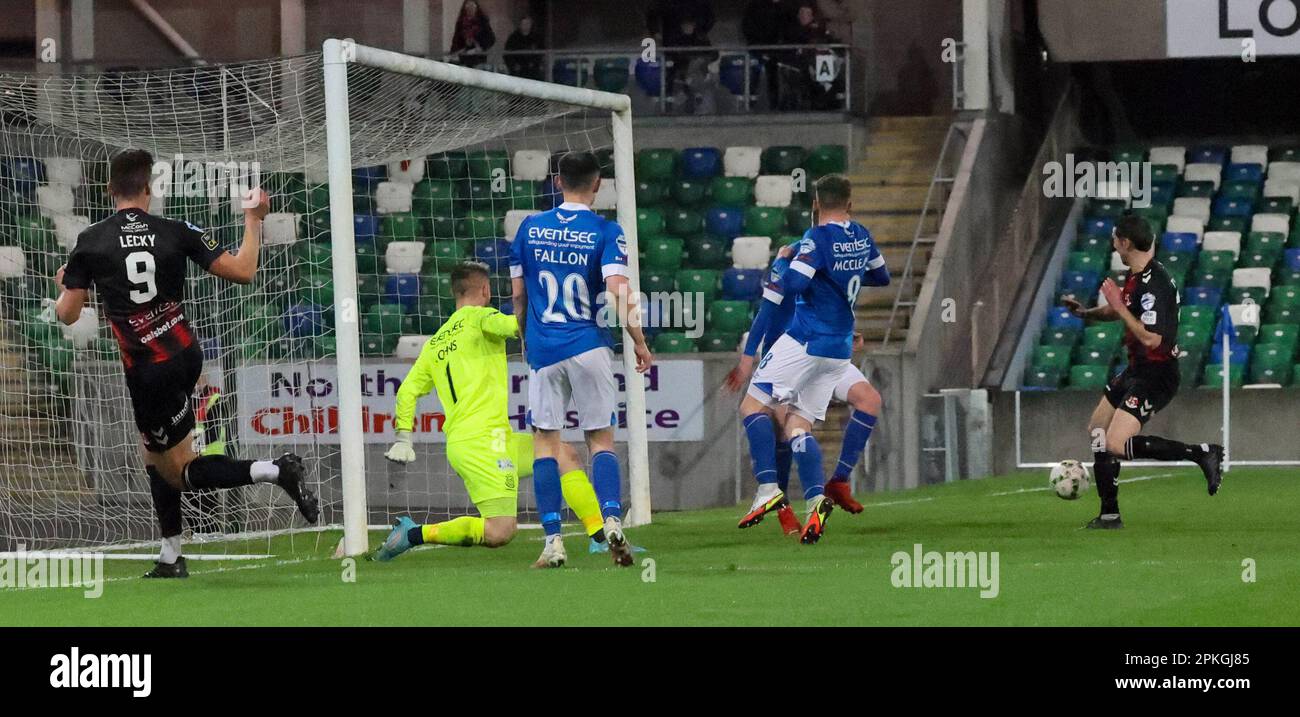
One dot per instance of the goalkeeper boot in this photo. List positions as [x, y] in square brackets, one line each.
[839, 492]
[397, 542]
[619, 548]
[1211, 463]
[767, 499]
[552, 553]
[819, 511]
[790, 524]
[1109, 521]
[177, 569]
[293, 479]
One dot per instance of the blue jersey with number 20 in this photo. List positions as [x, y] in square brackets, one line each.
[564, 257]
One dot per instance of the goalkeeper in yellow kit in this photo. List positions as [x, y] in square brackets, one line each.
[465, 361]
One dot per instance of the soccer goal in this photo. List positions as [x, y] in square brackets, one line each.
[384, 170]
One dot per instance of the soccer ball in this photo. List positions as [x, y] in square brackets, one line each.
[1069, 479]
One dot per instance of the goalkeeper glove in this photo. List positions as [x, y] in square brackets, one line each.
[402, 451]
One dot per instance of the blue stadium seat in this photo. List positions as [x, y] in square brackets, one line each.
[402, 289]
[725, 221]
[365, 227]
[1100, 226]
[649, 77]
[565, 72]
[731, 74]
[701, 162]
[493, 252]
[303, 320]
[211, 348]
[1239, 353]
[550, 195]
[1178, 241]
[1082, 284]
[1202, 296]
[1291, 259]
[1244, 173]
[1232, 207]
[364, 179]
[1163, 192]
[1208, 154]
[1060, 317]
[742, 284]
[23, 174]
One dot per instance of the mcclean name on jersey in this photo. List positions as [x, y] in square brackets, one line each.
[851, 263]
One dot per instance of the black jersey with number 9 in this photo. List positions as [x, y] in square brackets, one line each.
[136, 263]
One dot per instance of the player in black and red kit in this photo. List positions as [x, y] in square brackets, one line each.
[1148, 306]
[136, 262]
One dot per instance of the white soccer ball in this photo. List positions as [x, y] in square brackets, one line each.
[1069, 479]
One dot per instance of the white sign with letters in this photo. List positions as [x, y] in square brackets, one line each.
[1225, 28]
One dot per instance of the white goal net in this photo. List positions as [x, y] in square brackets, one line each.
[308, 357]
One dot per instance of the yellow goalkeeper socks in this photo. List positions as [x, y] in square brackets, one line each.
[464, 531]
[581, 497]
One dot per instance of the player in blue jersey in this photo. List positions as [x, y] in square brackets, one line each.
[853, 389]
[565, 265]
[800, 370]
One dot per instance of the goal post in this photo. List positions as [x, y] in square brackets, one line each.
[337, 56]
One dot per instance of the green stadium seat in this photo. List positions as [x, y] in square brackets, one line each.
[1056, 358]
[517, 194]
[1194, 336]
[1283, 306]
[1197, 189]
[1189, 368]
[1128, 153]
[1271, 363]
[732, 191]
[449, 165]
[764, 222]
[656, 163]
[474, 194]
[1042, 379]
[662, 254]
[434, 197]
[1285, 335]
[689, 192]
[826, 159]
[673, 342]
[1103, 337]
[651, 192]
[315, 197]
[442, 227]
[1106, 208]
[718, 342]
[649, 223]
[375, 345]
[1265, 242]
[798, 220]
[489, 164]
[1277, 205]
[1093, 244]
[684, 222]
[448, 251]
[1205, 314]
[480, 225]
[1247, 294]
[315, 225]
[1165, 173]
[1227, 224]
[652, 281]
[1212, 376]
[1240, 190]
[703, 281]
[1216, 277]
[782, 159]
[1089, 378]
[369, 258]
[1089, 261]
[313, 256]
[707, 252]
[383, 319]
[1085, 356]
[315, 288]
[399, 227]
[729, 316]
[1058, 337]
[324, 347]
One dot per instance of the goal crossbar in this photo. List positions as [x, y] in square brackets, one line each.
[337, 55]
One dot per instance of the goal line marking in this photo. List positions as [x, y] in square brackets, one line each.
[1134, 479]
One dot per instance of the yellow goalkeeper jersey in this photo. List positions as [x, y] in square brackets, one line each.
[465, 361]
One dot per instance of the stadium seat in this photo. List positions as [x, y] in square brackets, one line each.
[394, 197]
[826, 159]
[1165, 173]
[606, 197]
[1277, 205]
[689, 192]
[1227, 224]
[1186, 225]
[729, 316]
[1283, 189]
[742, 162]
[650, 193]
[773, 191]
[654, 281]
[1080, 284]
[401, 289]
[764, 221]
[408, 171]
[662, 253]
[55, 199]
[531, 164]
[684, 222]
[513, 219]
[701, 162]
[1097, 226]
[731, 191]
[1176, 156]
[488, 163]
[673, 342]
[1279, 223]
[404, 257]
[303, 320]
[649, 223]
[1179, 242]
[1088, 378]
[365, 227]
[1055, 358]
[377, 345]
[1042, 379]
[1203, 172]
[409, 347]
[474, 194]
[1238, 354]
[1222, 241]
[1250, 154]
[724, 221]
[611, 74]
[751, 252]
[368, 257]
[1202, 295]
[1103, 337]
[1087, 261]
[1059, 337]
[656, 163]
[649, 77]
[1208, 154]
[719, 342]
[1196, 189]
[1244, 173]
[782, 159]
[434, 197]
[1287, 170]
[493, 252]
[742, 284]
[13, 263]
[708, 252]
[1196, 207]
[1212, 376]
[1059, 317]
[314, 288]
[1218, 261]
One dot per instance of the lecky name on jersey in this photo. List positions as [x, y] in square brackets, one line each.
[560, 256]
[130, 241]
[562, 235]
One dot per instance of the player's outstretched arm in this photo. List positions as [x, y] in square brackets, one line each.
[416, 385]
[241, 266]
[1096, 313]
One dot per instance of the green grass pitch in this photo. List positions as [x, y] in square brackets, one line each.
[1179, 562]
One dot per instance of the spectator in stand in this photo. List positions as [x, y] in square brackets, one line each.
[526, 64]
[683, 23]
[809, 29]
[768, 22]
[473, 36]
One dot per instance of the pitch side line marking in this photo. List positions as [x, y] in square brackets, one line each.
[66, 555]
[1134, 479]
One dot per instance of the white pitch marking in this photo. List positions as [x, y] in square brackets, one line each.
[1134, 479]
[65, 555]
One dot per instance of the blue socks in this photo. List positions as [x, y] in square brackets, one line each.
[783, 459]
[546, 484]
[762, 446]
[607, 482]
[856, 435]
[808, 457]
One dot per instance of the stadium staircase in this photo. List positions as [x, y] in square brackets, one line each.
[890, 182]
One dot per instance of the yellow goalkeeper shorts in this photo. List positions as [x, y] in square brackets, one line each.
[490, 468]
